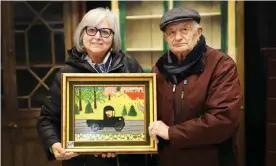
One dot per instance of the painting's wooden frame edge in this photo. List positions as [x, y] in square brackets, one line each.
[146, 149]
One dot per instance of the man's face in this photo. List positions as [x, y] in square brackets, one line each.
[182, 36]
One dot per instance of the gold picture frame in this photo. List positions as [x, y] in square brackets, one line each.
[108, 112]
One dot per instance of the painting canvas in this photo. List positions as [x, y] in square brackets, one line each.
[108, 112]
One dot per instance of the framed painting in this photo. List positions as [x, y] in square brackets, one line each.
[108, 112]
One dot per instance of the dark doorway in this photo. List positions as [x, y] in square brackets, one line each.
[259, 33]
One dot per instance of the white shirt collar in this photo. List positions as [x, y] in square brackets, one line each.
[92, 64]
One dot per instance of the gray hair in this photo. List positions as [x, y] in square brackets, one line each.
[92, 18]
[196, 25]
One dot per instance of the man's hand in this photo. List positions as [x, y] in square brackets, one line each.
[108, 155]
[60, 153]
[160, 129]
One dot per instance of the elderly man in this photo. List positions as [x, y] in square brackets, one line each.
[198, 97]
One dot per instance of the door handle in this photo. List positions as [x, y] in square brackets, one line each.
[12, 125]
[15, 132]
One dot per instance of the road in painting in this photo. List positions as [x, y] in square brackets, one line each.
[109, 113]
[131, 127]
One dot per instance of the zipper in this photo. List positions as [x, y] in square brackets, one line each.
[182, 98]
[182, 101]
[117, 161]
[174, 110]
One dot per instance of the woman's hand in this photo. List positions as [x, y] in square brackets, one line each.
[60, 153]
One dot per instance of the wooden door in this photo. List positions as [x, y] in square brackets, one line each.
[35, 37]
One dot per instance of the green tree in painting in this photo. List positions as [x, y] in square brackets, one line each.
[76, 109]
[132, 111]
[94, 94]
[97, 95]
[88, 108]
[79, 97]
[118, 89]
[81, 94]
[124, 112]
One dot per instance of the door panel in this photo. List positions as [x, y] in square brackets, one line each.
[22, 146]
[35, 38]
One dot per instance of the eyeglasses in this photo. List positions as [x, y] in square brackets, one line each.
[104, 32]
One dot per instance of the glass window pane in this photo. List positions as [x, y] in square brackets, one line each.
[38, 5]
[49, 80]
[59, 47]
[20, 52]
[38, 97]
[21, 12]
[24, 88]
[39, 43]
[53, 12]
[41, 72]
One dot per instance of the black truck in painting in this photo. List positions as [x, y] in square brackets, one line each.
[109, 120]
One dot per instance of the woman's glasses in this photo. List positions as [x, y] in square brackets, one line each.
[104, 32]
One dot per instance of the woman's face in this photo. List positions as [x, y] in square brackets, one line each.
[98, 40]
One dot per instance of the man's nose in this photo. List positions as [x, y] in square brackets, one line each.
[178, 35]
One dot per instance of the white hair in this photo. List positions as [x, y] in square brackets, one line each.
[196, 25]
[93, 18]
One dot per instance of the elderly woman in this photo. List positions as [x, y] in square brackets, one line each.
[97, 50]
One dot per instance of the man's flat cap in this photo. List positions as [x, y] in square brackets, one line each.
[178, 14]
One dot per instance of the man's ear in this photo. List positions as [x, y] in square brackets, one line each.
[164, 36]
[200, 30]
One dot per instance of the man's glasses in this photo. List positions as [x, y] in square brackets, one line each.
[104, 32]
